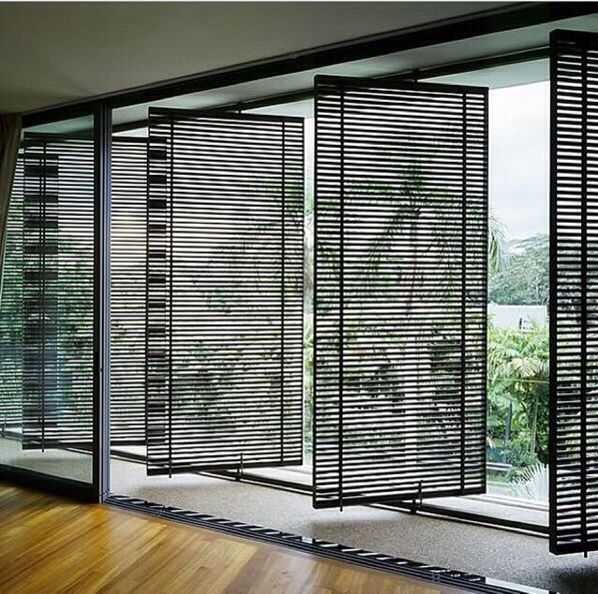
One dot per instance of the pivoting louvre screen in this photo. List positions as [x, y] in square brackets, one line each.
[11, 312]
[225, 298]
[400, 312]
[128, 246]
[574, 291]
[58, 261]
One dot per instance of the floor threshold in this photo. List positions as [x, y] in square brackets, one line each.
[379, 561]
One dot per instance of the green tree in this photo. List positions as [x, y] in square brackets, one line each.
[498, 248]
[522, 279]
[518, 391]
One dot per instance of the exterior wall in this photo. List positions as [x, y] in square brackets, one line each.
[514, 316]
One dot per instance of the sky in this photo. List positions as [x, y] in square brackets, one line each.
[519, 161]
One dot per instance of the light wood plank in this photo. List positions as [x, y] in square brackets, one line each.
[49, 545]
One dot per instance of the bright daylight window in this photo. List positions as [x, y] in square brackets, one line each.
[517, 433]
[517, 443]
[517, 405]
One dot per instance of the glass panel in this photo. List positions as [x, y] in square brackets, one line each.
[517, 440]
[46, 313]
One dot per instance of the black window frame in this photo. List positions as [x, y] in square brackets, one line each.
[497, 20]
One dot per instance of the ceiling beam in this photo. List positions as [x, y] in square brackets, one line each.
[514, 16]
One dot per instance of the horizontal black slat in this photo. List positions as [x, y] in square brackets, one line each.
[574, 309]
[57, 290]
[11, 312]
[128, 243]
[224, 291]
[400, 313]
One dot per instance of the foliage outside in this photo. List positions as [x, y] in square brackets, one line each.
[517, 439]
[518, 370]
[520, 274]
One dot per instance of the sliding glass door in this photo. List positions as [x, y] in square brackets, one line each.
[47, 309]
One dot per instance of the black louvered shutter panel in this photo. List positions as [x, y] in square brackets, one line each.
[11, 312]
[128, 291]
[400, 312]
[225, 285]
[574, 293]
[58, 232]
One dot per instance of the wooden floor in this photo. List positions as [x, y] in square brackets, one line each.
[49, 544]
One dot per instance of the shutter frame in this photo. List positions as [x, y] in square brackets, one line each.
[58, 268]
[228, 160]
[127, 290]
[573, 200]
[11, 312]
[351, 117]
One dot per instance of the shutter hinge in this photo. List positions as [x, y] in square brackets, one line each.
[416, 503]
[239, 468]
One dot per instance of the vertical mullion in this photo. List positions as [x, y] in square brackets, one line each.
[147, 292]
[584, 296]
[282, 291]
[42, 303]
[101, 301]
[463, 285]
[552, 301]
[314, 352]
[486, 241]
[341, 273]
[170, 293]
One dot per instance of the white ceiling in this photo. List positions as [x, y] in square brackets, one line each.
[56, 52]
[417, 58]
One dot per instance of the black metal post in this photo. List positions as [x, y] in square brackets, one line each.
[552, 301]
[583, 445]
[171, 227]
[101, 301]
[464, 238]
[282, 285]
[341, 305]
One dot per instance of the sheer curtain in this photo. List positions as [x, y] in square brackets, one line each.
[10, 137]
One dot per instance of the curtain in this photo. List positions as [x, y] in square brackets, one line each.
[10, 137]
